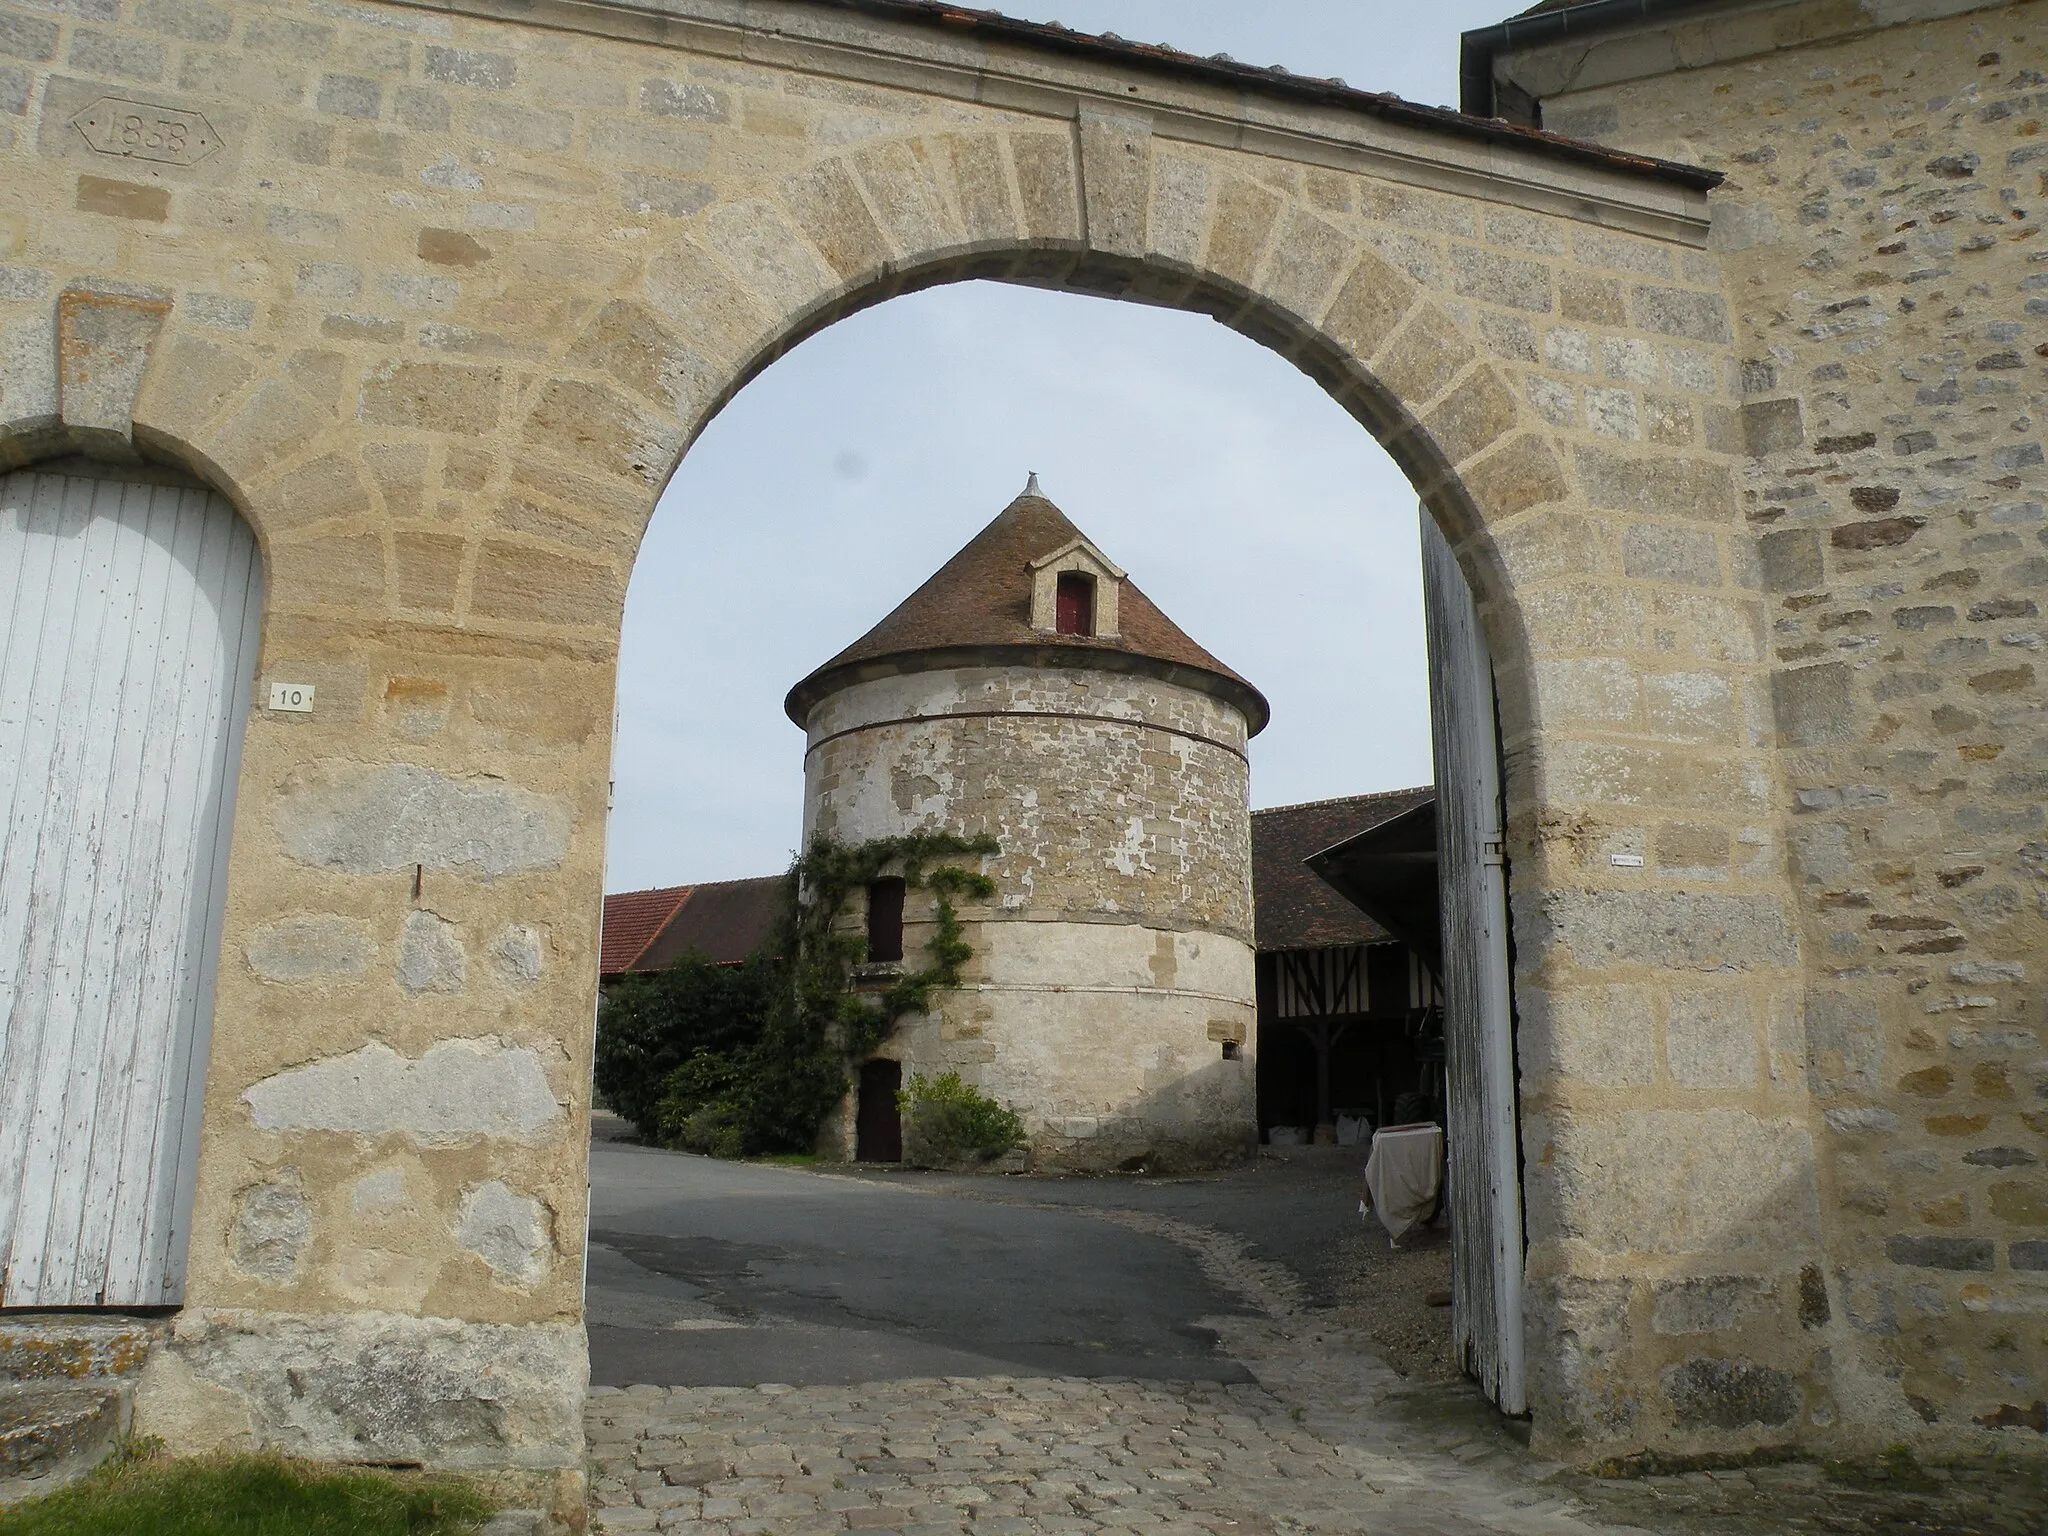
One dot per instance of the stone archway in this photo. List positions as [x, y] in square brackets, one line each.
[444, 367]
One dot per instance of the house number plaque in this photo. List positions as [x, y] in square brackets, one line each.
[138, 131]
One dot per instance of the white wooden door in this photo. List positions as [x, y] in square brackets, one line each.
[1484, 1188]
[128, 627]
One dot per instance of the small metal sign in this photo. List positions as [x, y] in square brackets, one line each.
[292, 698]
[113, 125]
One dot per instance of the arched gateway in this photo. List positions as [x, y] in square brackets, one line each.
[438, 295]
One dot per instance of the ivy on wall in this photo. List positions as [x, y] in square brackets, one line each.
[740, 1061]
[822, 883]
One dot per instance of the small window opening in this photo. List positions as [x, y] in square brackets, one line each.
[1074, 604]
[1232, 1051]
[885, 920]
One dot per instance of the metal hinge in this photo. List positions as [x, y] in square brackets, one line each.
[1493, 852]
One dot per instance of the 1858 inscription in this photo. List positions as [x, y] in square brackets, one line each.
[135, 129]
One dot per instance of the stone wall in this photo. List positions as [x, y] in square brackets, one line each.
[1114, 959]
[438, 294]
[1115, 798]
[1880, 230]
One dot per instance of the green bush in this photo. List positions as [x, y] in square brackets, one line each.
[650, 1026]
[947, 1124]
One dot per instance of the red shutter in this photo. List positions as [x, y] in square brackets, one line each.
[885, 920]
[1074, 604]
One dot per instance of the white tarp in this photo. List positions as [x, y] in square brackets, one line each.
[1404, 1176]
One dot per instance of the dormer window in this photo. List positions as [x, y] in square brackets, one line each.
[1074, 604]
[1074, 592]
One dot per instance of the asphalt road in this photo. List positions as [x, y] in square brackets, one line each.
[1290, 1207]
[705, 1273]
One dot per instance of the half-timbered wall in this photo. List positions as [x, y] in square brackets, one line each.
[1315, 983]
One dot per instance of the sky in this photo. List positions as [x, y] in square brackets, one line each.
[1260, 517]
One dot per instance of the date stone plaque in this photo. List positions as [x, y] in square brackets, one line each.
[136, 130]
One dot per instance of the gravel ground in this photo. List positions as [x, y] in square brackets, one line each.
[1400, 1298]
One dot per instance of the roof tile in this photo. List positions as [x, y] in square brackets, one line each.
[1292, 906]
[631, 920]
[977, 606]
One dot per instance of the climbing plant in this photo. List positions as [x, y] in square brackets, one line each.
[827, 877]
[755, 1066]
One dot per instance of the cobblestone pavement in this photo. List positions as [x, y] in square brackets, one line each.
[1000, 1456]
[1327, 1439]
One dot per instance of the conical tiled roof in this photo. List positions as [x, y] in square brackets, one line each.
[976, 610]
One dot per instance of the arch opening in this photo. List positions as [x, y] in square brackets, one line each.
[1363, 400]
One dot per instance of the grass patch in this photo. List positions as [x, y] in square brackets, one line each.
[787, 1159]
[144, 1494]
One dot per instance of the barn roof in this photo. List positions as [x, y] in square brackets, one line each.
[1293, 908]
[723, 920]
[631, 920]
[976, 609]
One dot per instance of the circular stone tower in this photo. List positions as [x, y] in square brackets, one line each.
[1028, 691]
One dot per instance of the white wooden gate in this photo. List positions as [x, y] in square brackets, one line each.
[128, 628]
[1484, 1186]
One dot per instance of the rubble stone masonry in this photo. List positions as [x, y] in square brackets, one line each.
[1115, 958]
[1881, 237]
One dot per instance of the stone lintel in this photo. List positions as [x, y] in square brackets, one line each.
[1195, 112]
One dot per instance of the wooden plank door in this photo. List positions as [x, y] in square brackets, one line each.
[128, 631]
[1484, 1185]
[878, 1123]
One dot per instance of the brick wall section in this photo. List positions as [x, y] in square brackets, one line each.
[1882, 234]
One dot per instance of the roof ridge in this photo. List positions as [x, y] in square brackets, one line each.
[645, 890]
[692, 885]
[1372, 794]
[1276, 80]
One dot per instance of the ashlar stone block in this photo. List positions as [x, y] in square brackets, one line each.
[1179, 222]
[1743, 1185]
[981, 182]
[1116, 179]
[1308, 258]
[903, 186]
[1245, 215]
[1046, 185]
[1474, 416]
[1710, 1040]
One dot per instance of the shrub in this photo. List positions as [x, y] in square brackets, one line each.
[947, 1124]
[650, 1026]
